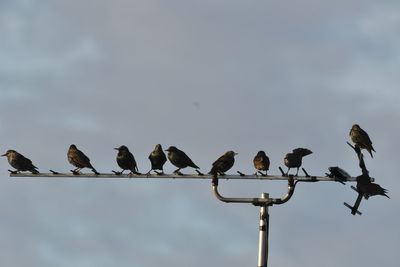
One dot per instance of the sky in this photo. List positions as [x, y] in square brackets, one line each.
[207, 77]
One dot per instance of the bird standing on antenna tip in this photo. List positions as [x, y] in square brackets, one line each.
[179, 159]
[79, 160]
[223, 163]
[157, 158]
[126, 160]
[19, 162]
[261, 163]
[361, 138]
[294, 159]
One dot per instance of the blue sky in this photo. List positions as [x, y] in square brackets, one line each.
[206, 76]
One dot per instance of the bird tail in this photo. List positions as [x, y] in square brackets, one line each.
[370, 151]
[94, 170]
[34, 171]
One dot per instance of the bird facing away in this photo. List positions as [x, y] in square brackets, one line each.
[261, 163]
[19, 162]
[79, 160]
[294, 159]
[368, 189]
[361, 139]
[223, 163]
[126, 160]
[179, 159]
[157, 158]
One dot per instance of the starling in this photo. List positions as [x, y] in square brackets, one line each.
[368, 189]
[19, 162]
[126, 161]
[79, 160]
[294, 159]
[261, 163]
[179, 159]
[361, 139]
[157, 158]
[223, 163]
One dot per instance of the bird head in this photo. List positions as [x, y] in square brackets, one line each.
[261, 153]
[8, 153]
[72, 147]
[171, 149]
[122, 148]
[230, 153]
[355, 127]
[158, 147]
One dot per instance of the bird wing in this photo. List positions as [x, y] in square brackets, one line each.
[81, 159]
[185, 158]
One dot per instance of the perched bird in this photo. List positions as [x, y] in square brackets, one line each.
[338, 173]
[261, 163]
[361, 138]
[157, 158]
[126, 160]
[179, 159]
[294, 159]
[223, 163]
[19, 162]
[79, 160]
[369, 189]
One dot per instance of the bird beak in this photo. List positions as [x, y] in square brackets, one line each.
[236, 153]
[4, 155]
[116, 148]
[166, 150]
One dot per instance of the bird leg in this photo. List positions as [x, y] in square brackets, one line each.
[159, 173]
[261, 173]
[297, 172]
[76, 171]
[177, 172]
[13, 172]
[287, 173]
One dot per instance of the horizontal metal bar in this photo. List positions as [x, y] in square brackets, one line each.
[175, 176]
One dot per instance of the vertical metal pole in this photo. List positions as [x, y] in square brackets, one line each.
[263, 239]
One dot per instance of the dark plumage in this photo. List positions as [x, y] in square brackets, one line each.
[261, 162]
[179, 159]
[126, 160]
[294, 159]
[361, 139]
[223, 163]
[19, 162]
[369, 189]
[79, 160]
[157, 158]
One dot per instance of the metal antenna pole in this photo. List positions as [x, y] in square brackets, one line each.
[263, 246]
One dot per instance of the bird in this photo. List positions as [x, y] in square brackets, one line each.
[261, 163]
[368, 188]
[126, 160]
[223, 163]
[294, 159]
[179, 159]
[361, 139]
[79, 160]
[19, 162]
[157, 158]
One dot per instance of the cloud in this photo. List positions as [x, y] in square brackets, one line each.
[205, 76]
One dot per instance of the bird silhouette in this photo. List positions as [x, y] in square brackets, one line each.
[126, 160]
[294, 159]
[19, 162]
[157, 158]
[179, 159]
[368, 188]
[223, 163]
[78, 159]
[361, 138]
[261, 163]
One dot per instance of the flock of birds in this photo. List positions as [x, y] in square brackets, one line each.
[126, 160]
